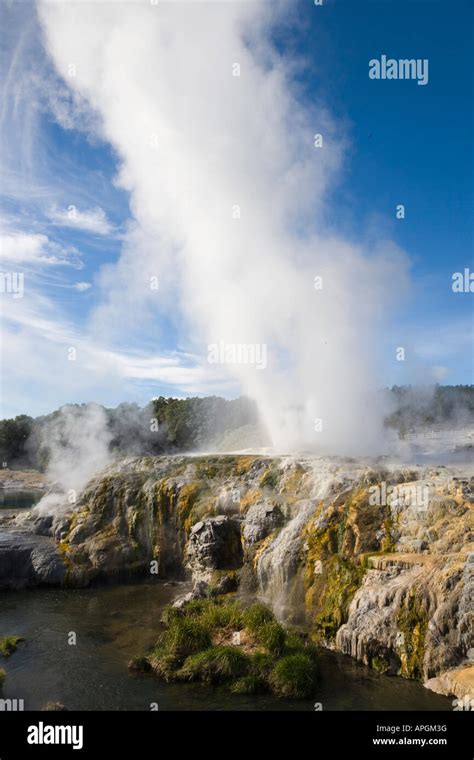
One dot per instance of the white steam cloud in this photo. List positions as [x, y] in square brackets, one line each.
[79, 446]
[227, 189]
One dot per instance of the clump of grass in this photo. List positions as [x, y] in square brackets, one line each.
[213, 613]
[256, 616]
[294, 640]
[3, 675]
[195, 647]
[195, 608]
[295, 643]
[215, 665]
[226, 615]
[251, 684]
[8, 644]
[272, 636]
[164, 665]
[139, 665]
[294, 676]
[185, 636]
[261, 664]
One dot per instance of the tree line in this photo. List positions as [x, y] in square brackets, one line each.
[171, 425]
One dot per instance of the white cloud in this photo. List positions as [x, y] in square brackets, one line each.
[21, 248]
[37, 339]
[82, 286]
[90, 220]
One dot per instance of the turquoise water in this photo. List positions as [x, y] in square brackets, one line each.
[114, 623]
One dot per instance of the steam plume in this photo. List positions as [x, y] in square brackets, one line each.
[78, 442]
[216, 148]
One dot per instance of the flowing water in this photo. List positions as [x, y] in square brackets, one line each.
[114, 623]
[277, 568]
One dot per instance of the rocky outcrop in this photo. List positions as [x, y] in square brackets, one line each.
[457, 682]
[261, 520]
[214, 544]
[377, 561]
[29, 560]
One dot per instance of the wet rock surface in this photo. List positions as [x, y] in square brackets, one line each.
[27, 559]
[386, 577]
[261, 520]
[214, 544]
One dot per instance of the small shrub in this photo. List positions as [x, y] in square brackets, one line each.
[294, 676]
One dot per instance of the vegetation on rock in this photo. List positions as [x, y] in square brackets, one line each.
[294, 676]
[413, 624]
[8, 645]
[333, 573]
[219, 642]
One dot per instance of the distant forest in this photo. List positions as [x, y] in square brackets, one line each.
[165, 425]
[169, 425]
[422, 406]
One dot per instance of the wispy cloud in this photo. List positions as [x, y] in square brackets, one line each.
[81, 286]
[90, 220]
[50, 354]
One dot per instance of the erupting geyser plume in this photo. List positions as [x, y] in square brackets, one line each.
[216, 146]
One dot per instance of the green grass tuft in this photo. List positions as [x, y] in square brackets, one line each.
[257, 615]
[185, 636]
[251, 684]
[294, 676]
[164, 665]
[226, 615]
[213, 613]
[215, 665]
[272, 636]
[261, 664]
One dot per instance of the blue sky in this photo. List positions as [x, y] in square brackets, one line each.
[402, 144]
[410, 144]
